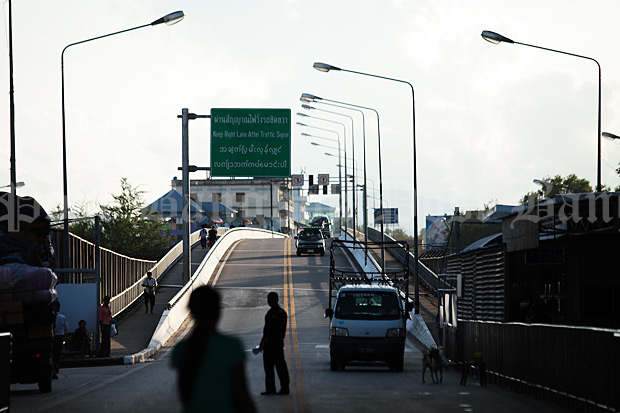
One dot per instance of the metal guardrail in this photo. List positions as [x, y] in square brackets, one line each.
[428, 278]
[129, 295]
[121, 276]
[576, 366]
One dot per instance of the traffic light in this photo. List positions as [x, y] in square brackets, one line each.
[324, 189]
[310, 180]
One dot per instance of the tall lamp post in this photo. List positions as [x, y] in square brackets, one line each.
[12, 221]
[169, 19]
[346, 176]
[496, 38]
[349, 106]
[324, 67]
[346, 202]
[320, 137]
[304, 106]
[339, 170]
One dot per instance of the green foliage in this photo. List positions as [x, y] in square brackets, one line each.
[398, 234]
[86, 228]
[126, 230]
[557, 185]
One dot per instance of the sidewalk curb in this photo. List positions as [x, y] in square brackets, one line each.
[91, 362]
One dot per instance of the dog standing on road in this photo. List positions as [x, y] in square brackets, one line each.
[432, 360]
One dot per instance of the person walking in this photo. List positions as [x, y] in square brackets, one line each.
[60, 331]
[104, 316]
[272, 346]
[210, 365]
[149, 285]
[203, 237]
[212, 237]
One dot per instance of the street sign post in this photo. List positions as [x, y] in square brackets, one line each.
[297, 180]
[251, 142]
[390, 215]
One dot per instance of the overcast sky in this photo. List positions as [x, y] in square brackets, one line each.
[489, 118]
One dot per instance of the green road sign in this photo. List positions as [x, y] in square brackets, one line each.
[251, 142]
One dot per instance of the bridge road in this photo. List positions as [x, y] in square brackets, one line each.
[247, 274]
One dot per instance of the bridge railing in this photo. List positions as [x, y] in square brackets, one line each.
[120, 276]
[427, 277]
[133, 292]
[570, 364]
[177, 310]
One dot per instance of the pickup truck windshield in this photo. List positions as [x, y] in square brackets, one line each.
[367, 305]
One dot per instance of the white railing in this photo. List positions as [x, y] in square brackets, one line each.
[127, 297]
[177, 310]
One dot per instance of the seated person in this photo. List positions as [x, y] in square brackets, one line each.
[81, 340]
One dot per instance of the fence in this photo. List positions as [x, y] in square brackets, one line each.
[121, 276]
[577, 366]
[427, 277]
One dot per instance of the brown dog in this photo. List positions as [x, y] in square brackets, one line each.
[432, 360]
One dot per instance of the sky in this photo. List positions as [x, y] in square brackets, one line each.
[488, 118]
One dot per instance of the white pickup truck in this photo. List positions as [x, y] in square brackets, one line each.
[368, 319]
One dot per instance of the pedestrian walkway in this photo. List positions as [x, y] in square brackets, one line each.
[135, 328]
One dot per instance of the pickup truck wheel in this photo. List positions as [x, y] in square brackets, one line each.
[323, 254]
[298, 254]
[335, 364]
[397, 365]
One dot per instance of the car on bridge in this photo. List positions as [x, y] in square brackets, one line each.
[310, 241]
[322, 222]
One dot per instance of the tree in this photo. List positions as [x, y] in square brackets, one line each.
[127, 230]
[398, 234]
[86, 228]
[82, 228]
[558, 185]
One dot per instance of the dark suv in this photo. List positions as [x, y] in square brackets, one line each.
[322, 222]
[310, 241]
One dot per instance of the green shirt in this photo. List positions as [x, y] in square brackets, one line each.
[213, 390]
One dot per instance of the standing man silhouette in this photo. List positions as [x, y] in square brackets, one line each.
[272, 346]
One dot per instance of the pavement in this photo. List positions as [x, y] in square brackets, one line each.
[135, 327]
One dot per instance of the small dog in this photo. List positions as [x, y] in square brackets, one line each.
[432, 360]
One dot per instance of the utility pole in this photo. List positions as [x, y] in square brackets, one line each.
[185, 213]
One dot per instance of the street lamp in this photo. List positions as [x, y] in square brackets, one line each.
[339, 171]
[610, 136]
[307, 97]
[307, 107]
[17, 185]
[169, 19]
[346, 176]
[346, 205]
[496, 38]
[323, 67]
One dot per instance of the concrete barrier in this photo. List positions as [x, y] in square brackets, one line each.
[177, 311]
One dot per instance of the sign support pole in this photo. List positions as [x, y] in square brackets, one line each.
[185, 214]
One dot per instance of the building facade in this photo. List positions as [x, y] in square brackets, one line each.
[265, 202]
